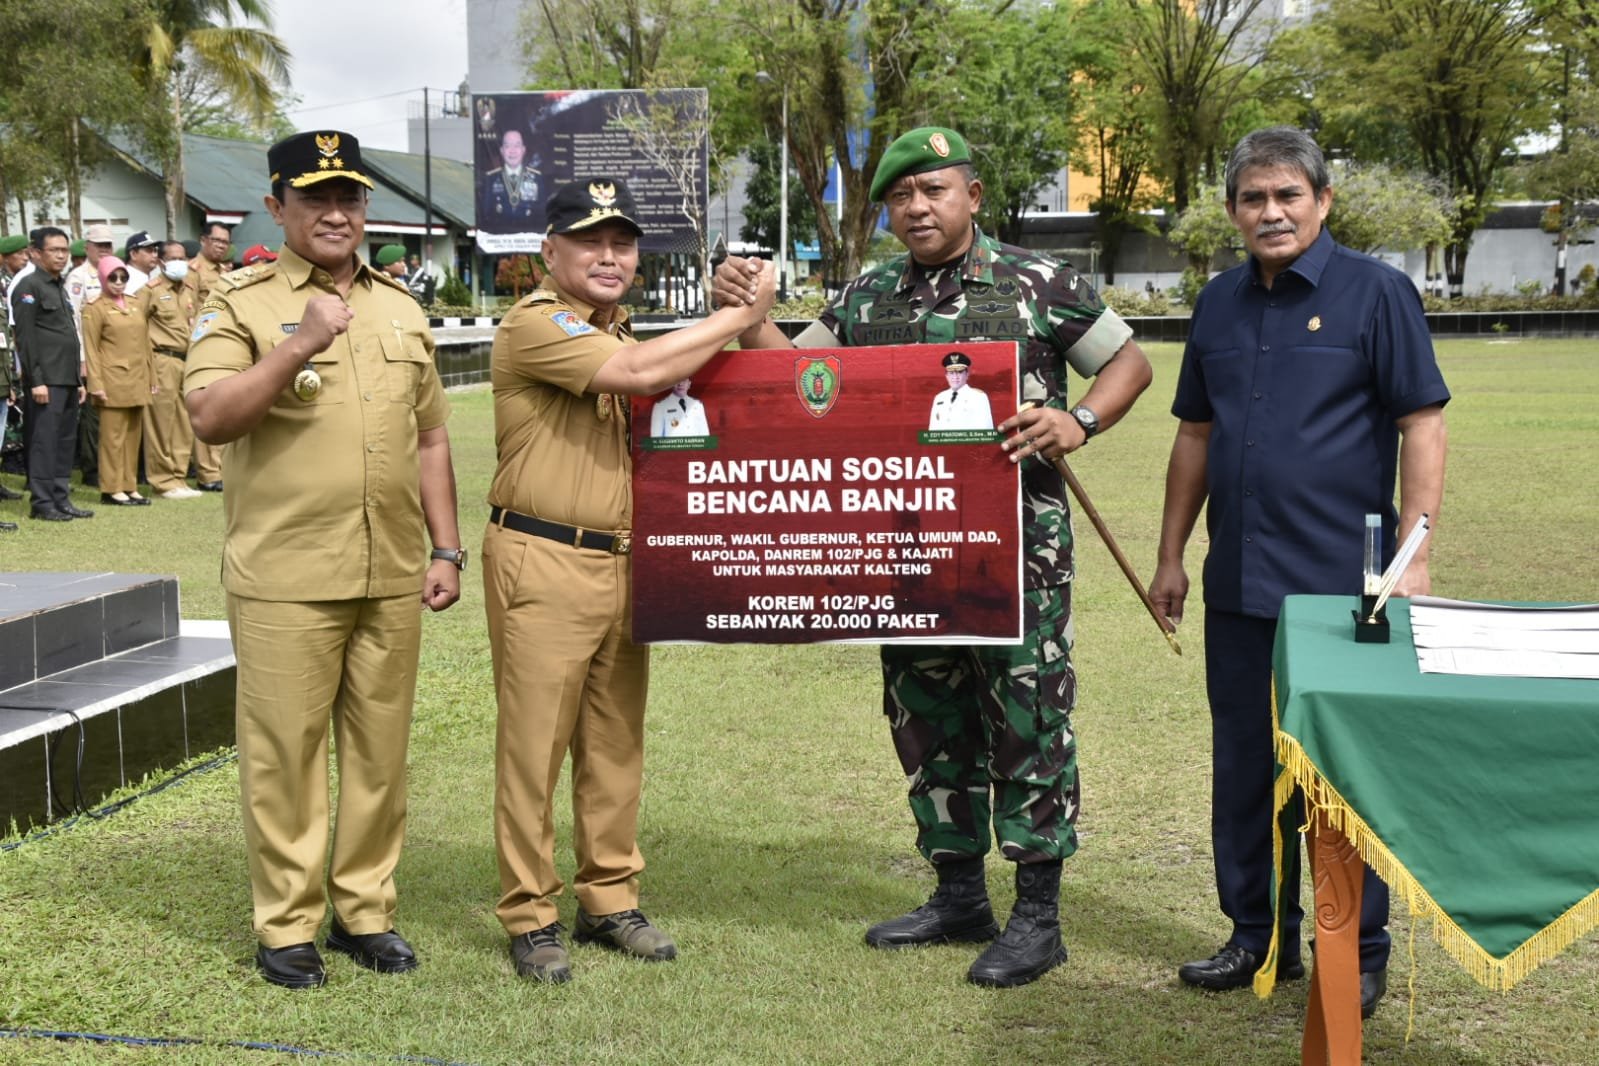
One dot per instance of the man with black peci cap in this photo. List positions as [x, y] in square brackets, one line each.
[984, 733]
[557, 576]
[317, 373]
[960, 406]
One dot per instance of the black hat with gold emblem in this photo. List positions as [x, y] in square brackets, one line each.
[957, 361]
[307, 158]
[581, 204]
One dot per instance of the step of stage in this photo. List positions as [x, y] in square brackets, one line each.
[102, 663]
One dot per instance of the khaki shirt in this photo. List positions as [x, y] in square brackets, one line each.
[563, 451]
[205, 274]
[324, 495]
[169, 310]
[116, 349]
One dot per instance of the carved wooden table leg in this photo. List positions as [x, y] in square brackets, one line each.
[1332, 1020]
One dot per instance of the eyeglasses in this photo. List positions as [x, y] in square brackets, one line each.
[117, 276]
[217, 240]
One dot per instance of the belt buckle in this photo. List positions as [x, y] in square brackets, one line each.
[577, 538]
[622, 544]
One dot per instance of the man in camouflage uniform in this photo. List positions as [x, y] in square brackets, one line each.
[984, 732]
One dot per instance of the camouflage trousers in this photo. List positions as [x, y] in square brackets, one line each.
[984, 732]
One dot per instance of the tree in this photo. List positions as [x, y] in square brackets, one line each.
[248, 62]
[761, 215]
[66, 67]
[1570, 173]
[208, 107]
[1464, 78]
[1203, 228]
[1376, 206]
[1011, 84]
[646, 44]
[857, 73]
[1195, 59]
[1111, 130]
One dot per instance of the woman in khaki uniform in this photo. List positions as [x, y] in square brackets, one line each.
[116, 345]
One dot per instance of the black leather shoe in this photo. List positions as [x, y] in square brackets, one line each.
[209, 486]
[1373, 986]
[50, 514]
[296, 966]
[110, 500]
[7, 494]
[8, 527]
[76, 512]
[1232, 967]
[385, 952]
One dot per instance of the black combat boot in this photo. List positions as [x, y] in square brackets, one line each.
[958, 912]
[1030, 946]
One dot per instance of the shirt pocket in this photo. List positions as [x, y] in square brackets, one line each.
[329, 385]
[405, 360]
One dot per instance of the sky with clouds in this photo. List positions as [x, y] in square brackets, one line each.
[361, 67]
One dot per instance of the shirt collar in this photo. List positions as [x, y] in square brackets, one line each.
[299, 270]
[610, 323]
[977, 265]
[1310, 264]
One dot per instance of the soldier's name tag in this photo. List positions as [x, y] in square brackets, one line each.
[289, 327]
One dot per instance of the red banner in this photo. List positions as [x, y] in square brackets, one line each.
[802, 495]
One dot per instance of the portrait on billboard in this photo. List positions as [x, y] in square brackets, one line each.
[528, 144]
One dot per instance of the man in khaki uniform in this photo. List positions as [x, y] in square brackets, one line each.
[206, 268]
[317, 373]
[168, 303]
[557, 577]
[83, 288]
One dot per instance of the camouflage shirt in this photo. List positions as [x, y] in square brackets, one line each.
[997, 292]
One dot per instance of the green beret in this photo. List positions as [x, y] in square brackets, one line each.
[390, 254]
[14, 243]
[917, 152]
[77, 249]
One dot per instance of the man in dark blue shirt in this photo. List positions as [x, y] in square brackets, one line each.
[1309, 380]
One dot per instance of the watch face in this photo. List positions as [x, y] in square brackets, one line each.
[1086, 419]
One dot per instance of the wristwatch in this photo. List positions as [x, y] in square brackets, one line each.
[454, 555]
[1087, 419]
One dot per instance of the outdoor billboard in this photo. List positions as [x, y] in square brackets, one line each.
[526, 144]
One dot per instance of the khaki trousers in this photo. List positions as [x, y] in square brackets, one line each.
[208, 462]
[298, 665]
[567, 676]
[168, 438]
[119, 449]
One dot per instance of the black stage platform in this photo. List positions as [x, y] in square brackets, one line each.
[103, 659]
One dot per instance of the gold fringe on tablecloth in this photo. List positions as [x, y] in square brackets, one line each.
[1321, 798]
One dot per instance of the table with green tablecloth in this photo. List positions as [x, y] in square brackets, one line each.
[1474, 798]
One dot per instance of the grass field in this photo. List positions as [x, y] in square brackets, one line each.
[775, 827]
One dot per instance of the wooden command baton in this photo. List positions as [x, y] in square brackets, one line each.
[1167, 628]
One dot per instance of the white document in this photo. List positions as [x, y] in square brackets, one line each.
[1498, 640]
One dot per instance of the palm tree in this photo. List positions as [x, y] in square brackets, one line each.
[248, 61]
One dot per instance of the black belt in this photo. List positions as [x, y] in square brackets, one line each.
[617, 544]
[172, 352]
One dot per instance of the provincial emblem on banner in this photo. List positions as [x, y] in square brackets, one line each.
[818, 382]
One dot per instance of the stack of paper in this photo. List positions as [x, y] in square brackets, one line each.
[1499, 640]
